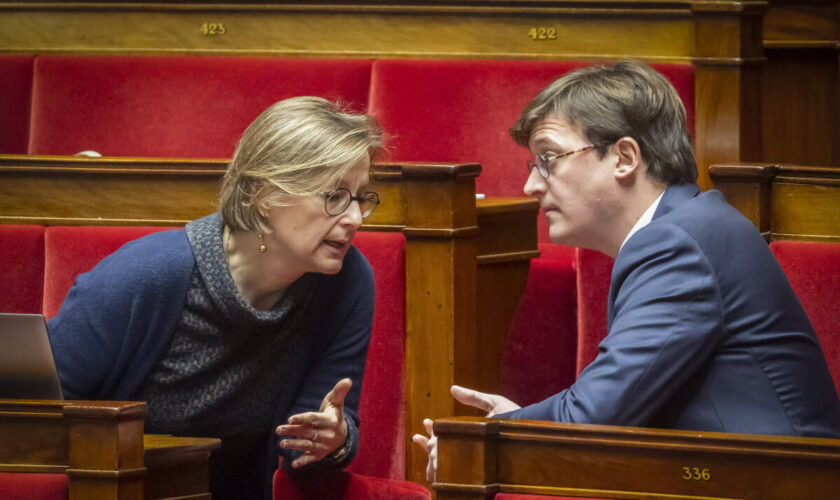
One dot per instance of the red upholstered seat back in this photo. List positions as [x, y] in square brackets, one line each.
[813, 269]
[539, 354]
[21, 268]
[33, 486]
[378, 471]
[593, 287]
[173, 106]
[73, 250]
[382, 407]
[15, 100]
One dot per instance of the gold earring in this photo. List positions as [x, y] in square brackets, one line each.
[263, 248]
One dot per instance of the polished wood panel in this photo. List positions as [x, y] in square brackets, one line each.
[722, 38]
[801, 100]
[785, 202]
[467, 260]
[480, 457]
[100, 446]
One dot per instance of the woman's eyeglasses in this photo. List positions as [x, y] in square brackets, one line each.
[338, 200]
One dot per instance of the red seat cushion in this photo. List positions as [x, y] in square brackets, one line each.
[813, 269]
[73, 250]
[538, 359]
[32, 486]
[22, 265]
[382, 405]
[346, 486]
[15, 100]
[173, 106]
[461, 110]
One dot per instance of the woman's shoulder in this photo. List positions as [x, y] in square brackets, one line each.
[157, 257]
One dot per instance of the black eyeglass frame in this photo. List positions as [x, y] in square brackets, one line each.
[543, 161]
[350, 199]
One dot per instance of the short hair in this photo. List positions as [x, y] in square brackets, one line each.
[297, 147]
[610, 102]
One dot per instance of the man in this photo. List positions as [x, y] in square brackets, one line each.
[705, 332]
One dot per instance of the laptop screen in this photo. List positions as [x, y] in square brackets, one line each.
[27, 369]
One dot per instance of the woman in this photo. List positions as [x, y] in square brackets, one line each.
[248, 322]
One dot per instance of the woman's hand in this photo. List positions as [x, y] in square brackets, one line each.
[317, 434]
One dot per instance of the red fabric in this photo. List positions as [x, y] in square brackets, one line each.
[540, 348]
[21, 268]
[173, 106]
[460, 111]
[73, 250]
[593, 288]
[382, 405]
[813, 269]
[346, 486]
[15, 99]
[32, 486]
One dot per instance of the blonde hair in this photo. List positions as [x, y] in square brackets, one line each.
[610, 102]
[297, 147]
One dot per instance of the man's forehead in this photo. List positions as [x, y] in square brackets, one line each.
[553, 124]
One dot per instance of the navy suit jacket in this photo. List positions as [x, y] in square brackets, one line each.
[705, 333]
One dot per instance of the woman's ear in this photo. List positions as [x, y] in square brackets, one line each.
[629, 158]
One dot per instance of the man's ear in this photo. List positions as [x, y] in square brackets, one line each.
[629, 158]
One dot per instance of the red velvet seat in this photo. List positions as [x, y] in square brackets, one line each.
[73, 250]
[33, 486]
[378, 471]
[594, 270]
[813, 269]
[544, 330]
[15, 100]
[173, 106]
[21, 268]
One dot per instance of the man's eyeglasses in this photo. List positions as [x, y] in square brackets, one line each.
[542, 162]
[337, 201]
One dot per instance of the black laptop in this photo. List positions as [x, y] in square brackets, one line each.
[27, 368]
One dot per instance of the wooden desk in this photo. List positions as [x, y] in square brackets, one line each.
[785, 202]
[467, 260]
[480, 457]
[100, 446]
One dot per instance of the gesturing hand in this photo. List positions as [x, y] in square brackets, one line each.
[318, 434]
[429, 445]
[493, 404]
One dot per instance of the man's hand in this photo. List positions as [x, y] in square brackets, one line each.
[429, 445]
[318, 434]
[491, 403]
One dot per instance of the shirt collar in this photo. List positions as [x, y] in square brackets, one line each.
[644, 220]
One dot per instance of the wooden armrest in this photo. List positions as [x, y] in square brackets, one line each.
[480, 457]
[101, 447]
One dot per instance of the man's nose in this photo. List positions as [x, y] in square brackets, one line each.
[535, 184]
